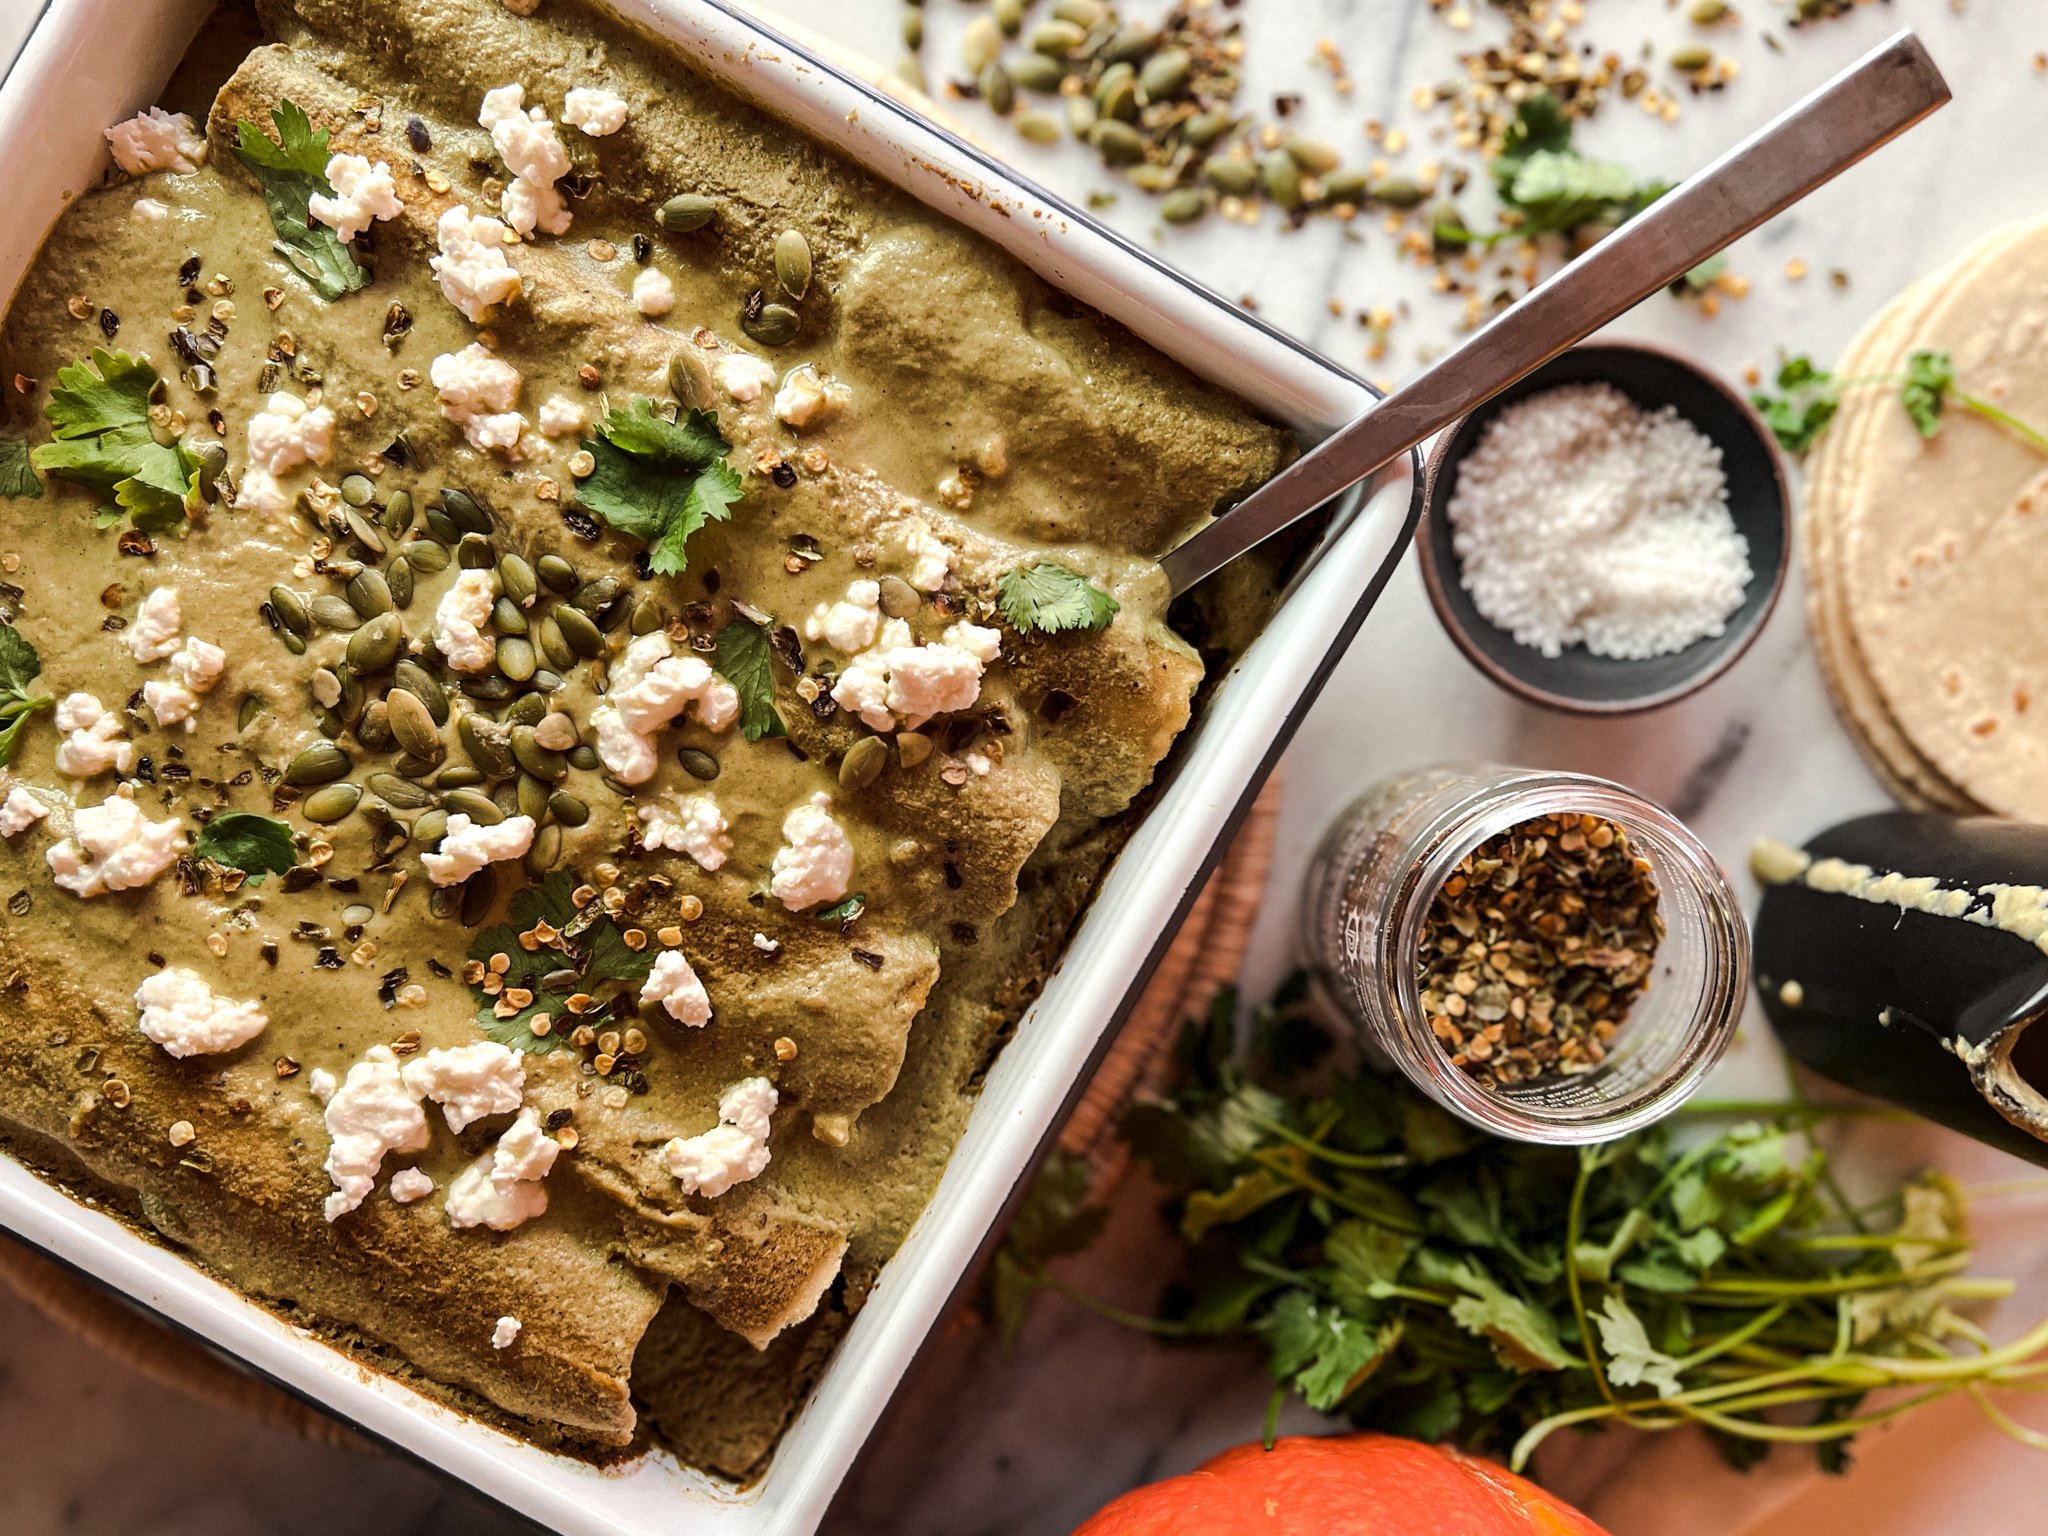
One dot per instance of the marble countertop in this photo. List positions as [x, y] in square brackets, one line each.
[1029, 1443]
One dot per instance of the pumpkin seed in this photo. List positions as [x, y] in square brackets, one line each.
[373, 730]
[863, 763]
[899, 598]
[536, 759]
[1036, 72]
[331, 612]
[473, 803]
[568, 809]
[1706, 12]
[584, 758]
[412, 724]
[290, 609]
[1395, 192]
[1038, 127]
[292, 643]
[515, 657]
[1082, 13]
[698, 764]
[597, 595]
[622, 790]
[507, 617]
[483, 744]
[427, 556]
[772, 325]
[547, 635]
[363, 531]
[544, 680]
[357, 490]
[368, 592]
[1166, 73]
[1312, 155]
[442, 526]
[424, 686]
[545, 853]
[527, 709]
[517, 578]
[647, 616]
[1009, 15]
[1118, 143]
[582, 636]
[1692, 59]
[980, 44]
[430, 828]
[1352, 187]
[998, 90]
[465, 509]
[213, 463]
[331, 724]
[690, 381]
[555, 573]
[399, 580]
[1155, 178]
[399, 794]
[1184, 205]
[1080, 116]
[479, 895]
[321, 763]
[912, 747]
[375, 646]
[331, 804]
[913, 30]
[1057, 39]
[1204, 129]
[455, 776]
[409, 767]
[1281, 175]
[506, 798]
[533, 797]
[1116, 93]
[1130, 45]
[474, 553]
[793, 263]
[556, 732]
[253, 704]
[351, 705]
[397, 515]
[1233, 175]
[686, 211]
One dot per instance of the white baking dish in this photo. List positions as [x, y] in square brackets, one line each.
[91, 62]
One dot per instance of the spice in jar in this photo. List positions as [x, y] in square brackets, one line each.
[1534, 948]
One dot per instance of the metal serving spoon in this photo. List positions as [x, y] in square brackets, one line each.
[1867, 105]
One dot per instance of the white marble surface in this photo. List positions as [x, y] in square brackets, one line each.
[1029, 1444]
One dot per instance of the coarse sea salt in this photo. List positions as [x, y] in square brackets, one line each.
[1582, 519]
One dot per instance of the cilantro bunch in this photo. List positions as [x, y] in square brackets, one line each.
[1808, 397]
[1421, 1277]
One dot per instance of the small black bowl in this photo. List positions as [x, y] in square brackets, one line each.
[1577, 681]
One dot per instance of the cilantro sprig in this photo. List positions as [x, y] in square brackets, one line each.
[1423, 1278]
[586, 941]
[99, 412]
[1547, 185]
[1044, 598]
[256, 845]
[19, 667]
[660, 480]
[1807, 398]
[747, 661]
[291, 168]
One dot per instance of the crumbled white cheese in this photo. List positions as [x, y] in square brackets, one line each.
[654, 293]
[896, 681]
[370, 1114]
[502, 1189]
[468, 847]
[472, 270]
[95, 739]
[806, 397]
[459, 620]
[153, 634]
[674, 984]
[532, 151]
[507, 1330]
[113, 847]
[259, 492]
[321, 1084]
[977, 640]
[157, 140]
[148, 208]
[691, 824]
[734, 1151]
[651, 685]
[21, 810]
[766, 945]
[480, 394]
[184, 1015]
[744, 376]
[815, 864]
[560, 417]
[850, 624]
[194, 670]
[627, 756]
[409, 1184]
[931, 557]
[362, 193]
[594, 110]
[468, 1081]
[286, 434]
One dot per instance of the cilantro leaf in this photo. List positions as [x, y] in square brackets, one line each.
[1929, 378]
[747, 661]
[100, 414]
[1559, 190]
[846, 910]
[1044, 598]
[659, 480]
[1540, 127]
[586, 941]
[1631, 1361]
[19, 666]
[17, 472]
[256, 845]
[1320, 1350]
[291, 170]
[1806, 402]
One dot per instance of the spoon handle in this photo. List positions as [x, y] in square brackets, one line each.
[1867, 105]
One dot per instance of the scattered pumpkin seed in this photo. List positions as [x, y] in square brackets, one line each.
[1233, 175]
[547, 636]
[1038, 127]
[1036, 72]
[369, 593]
[398, 579]
[690, 381]
[430, 828]
[1082, 13]
[373, 730]
[532, 797]
[584, 758]
[357, 490]
[456, 776]
[1692, 59]
[291, 612]
[1396, 192]
[474, 553]
[912, 747]
[1706, 12]
[595, 598]
[442, 526]
[527, 709]
[1118, 143]
[1204, 129]
[686, 211]
[793, 263]
[647, 616]
[479, 896]
[516, 658]
[412, 724]
[1165, 74]
[544, 680]
[863, 763]
[518, 579]
[507, 617]
[400, 794]
[473, 803]
[375, 646]
[252, 705]
[427, 556]
[483, 744]
[582, 635]
[772, 325]
[980, 44]
[545, 852]
[555, 573]
[568, 809]
[550, 767]
[998, 90]
[1281, 175]
[899, 599]
[913, 29]
[424, 686]
[698, 763]
[1009, 15]
[321, 763]
[364, 532]
[330, 804]
[1184, 205]
[331, 612]
[398, 514]
[1057, 39]
[468, 512]
[1313, 155]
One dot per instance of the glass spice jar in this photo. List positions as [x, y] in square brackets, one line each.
[1370, 889]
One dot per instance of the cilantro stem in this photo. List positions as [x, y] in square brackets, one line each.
[1736, 1339]
[2004, 1422]
[1883, 1281]
[1163, 1327]
[2003, 418]
[1316, 1149]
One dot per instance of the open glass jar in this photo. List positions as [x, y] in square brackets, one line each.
[1370, 889]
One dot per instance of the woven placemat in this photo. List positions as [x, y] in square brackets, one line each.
[1204, 956]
